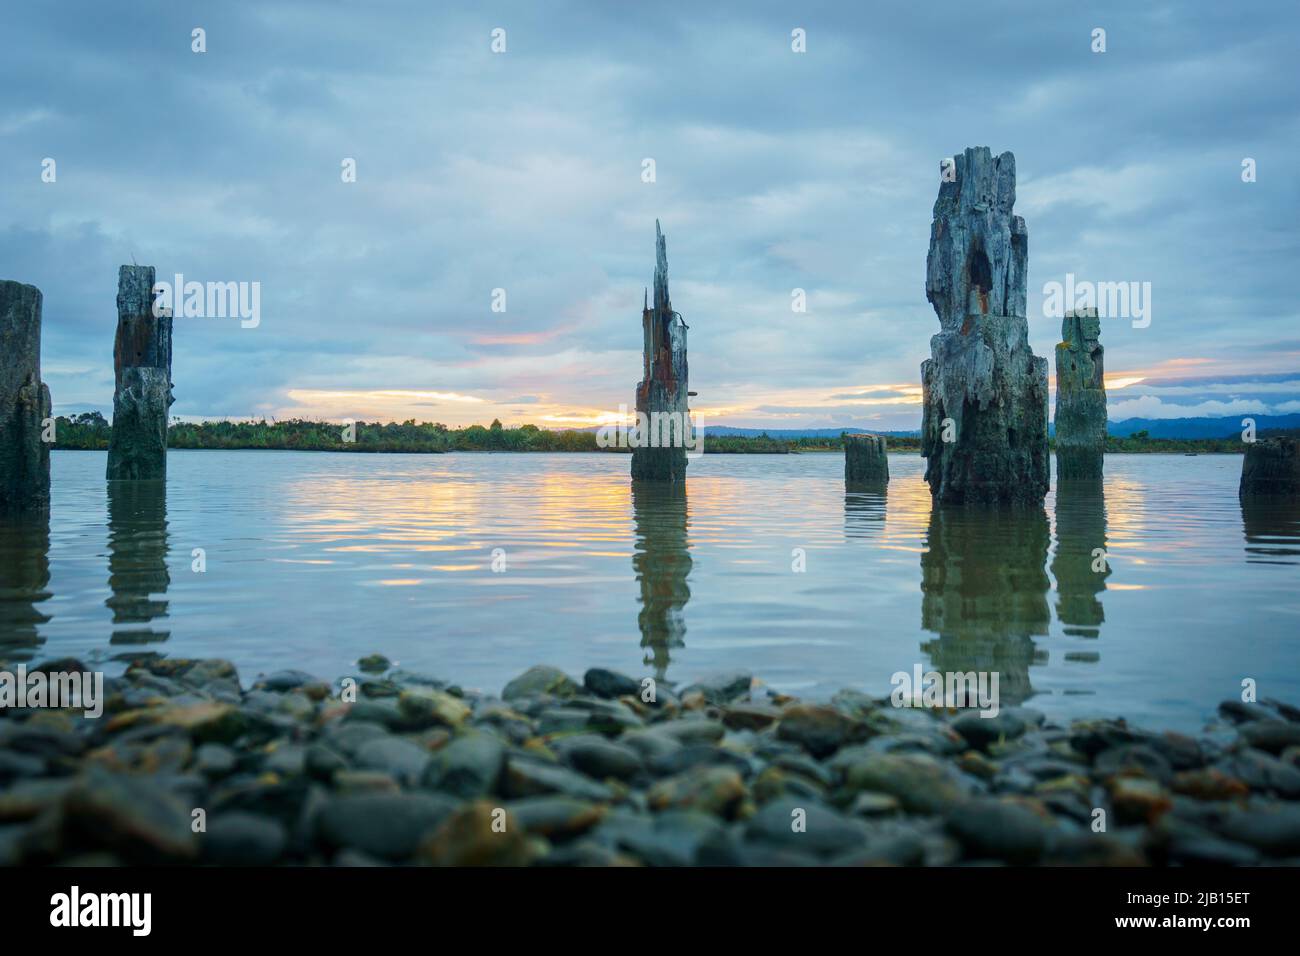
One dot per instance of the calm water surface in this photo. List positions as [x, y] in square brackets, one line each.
[314, 559]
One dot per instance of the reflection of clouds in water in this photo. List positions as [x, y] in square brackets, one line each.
[984, 592]
[24, 577]
[137, 560]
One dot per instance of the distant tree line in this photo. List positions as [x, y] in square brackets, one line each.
[90, 430]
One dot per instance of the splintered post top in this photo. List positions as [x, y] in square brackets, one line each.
[662, 303]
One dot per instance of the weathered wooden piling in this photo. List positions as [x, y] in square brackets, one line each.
[24, 402]
[984, 419]
[142, 362]
[1271, 468]
[865, 462]
[1080, 398]
[662, 398]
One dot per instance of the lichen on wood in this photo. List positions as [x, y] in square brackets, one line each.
[1080, 398]
[142, 365]
[865, 461]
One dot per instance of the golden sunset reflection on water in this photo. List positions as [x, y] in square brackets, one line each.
[476, 566]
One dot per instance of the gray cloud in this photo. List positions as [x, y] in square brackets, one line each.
[522, 171]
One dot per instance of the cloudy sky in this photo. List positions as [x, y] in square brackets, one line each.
[522, 171]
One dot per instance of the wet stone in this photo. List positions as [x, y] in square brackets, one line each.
[469, 766]
[287, 680]
[403, 760]
[323, 762]
[1139, 799]
[529, 778]
[242, 839]
[750, 716]
[723, 687]
[14, 766]
[387, 826]
[805, 827]
[1272, 828]
[128, 815]
[1000, 829]
[921, 783]
[717, 790]
[699, 755]
[982, 732]
[427, 707]
[540, 680]
[819, 730]
[600, 758]
[374, 663]
[478, 835]
[1271, 736]
[562, 720]
[556, 817]
[1262, 772]
[673, 838]
[1133, 759]
[364, 781]
[610, 684]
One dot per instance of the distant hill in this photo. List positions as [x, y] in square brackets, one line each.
[1201, 427]
[1154, 427]
[801, 432]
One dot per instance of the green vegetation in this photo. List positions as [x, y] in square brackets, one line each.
[1142, 442]
[90, 430]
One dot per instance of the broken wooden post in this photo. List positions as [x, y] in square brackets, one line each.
[984, 392]
[1271, 468]
[1080, 398]
[142, 362]
[864, 460]
[24, 402]
[663, 416]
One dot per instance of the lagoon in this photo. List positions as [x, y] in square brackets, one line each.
[475, 566]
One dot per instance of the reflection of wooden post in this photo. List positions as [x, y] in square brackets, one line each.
[662, 562]
[661, 397]
[24, 401]
[24, 582]
[137, 560]
[864, 460]
[1271, 467]
[142, 363]
[984, 590]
